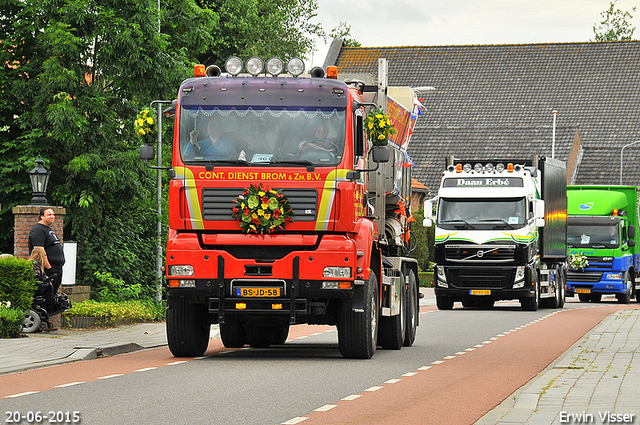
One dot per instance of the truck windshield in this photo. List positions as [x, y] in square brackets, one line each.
[593, 235]
[481, 214]
[262, 136]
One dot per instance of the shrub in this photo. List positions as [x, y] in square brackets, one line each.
[17, 283]
[10, 320]
[110, 312]
[116, 290]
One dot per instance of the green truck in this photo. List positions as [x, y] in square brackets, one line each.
[602, 241]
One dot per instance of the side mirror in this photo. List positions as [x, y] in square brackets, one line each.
[631, 243]
[380, 154]
[632, 232]
[428, 214]
[147, 152]
[358, 138]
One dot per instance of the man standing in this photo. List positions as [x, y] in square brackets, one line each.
[42, 235]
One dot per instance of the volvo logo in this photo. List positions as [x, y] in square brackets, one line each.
[480, 253]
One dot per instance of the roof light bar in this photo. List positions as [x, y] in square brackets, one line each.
[233, 65]
[275, 66]
[295, 66]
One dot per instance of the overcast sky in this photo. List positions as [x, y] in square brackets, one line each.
[380, 23]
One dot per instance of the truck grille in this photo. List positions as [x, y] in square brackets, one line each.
[217, 203]
[588, 277]
[458, 253]
[480, 277]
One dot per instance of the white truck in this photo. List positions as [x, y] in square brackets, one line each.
[500, 233]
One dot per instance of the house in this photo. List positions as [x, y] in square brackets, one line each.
[498, 101]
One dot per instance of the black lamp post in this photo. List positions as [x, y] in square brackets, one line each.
[39, 179]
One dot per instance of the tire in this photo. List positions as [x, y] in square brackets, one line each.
[626, 297]
[562, 274]
[444, 303]
[358, 330]
[187, 328]
[532, 303]
[392, 328]
[555, 301]
[280, 334]
[258, 336]
[30, 322]
[232, 332]
[412, 309]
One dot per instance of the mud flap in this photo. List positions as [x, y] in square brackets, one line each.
[358, 299]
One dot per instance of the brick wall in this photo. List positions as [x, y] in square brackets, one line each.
[24, 217]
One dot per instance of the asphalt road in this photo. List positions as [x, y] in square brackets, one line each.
[306, 380]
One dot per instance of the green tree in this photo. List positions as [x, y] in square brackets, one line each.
[344, 31]
[264, 29]
[615, 25]
[76, 72]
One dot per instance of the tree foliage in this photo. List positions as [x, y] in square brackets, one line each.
[344, 31]
[74, 75]
[615, 25]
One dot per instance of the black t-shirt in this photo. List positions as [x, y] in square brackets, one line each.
[41, 235]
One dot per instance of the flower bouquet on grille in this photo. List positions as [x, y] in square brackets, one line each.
[262, 210]
[578, 261]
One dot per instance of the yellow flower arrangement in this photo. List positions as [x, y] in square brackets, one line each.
[378, 127]
[262, 210]
[144, 124]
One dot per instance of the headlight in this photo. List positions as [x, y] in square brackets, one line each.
[181, 270]
[441, 274]
[488, 167]
[233, 65]
[295, 66]
[614, 276]
[255, 66]
[519, 279]
[337, 272]
[466, 168]
[275, 66]
[500, 167]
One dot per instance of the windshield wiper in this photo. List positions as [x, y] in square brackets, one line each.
[458, 222]
[485, 220]
[310, 165]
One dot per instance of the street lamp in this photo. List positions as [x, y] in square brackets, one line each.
[39, 177]
[621, 151]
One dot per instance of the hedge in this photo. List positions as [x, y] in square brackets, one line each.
[17, 283]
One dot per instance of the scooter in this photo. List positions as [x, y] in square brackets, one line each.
[38, 318]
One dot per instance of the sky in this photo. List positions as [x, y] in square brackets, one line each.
[384, 23]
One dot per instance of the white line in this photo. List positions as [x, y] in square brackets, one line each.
[110, 376]
[175, 363]
[145, 369]
[410, 374]
[294, 421]
[70, 384]
[449, 357]
[469, 349]
[325, 407]
[424, 368]
[392, 381]
[373, 389]
[438, 362]
[486, 342]
[21, 394]
[459, 353]
[351, 397]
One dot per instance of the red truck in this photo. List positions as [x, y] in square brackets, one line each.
[275, 214]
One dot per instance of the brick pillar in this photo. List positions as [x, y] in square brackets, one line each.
[24, 217]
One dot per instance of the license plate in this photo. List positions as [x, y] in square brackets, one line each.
[582, 291]
[480, 292]
[258, 292]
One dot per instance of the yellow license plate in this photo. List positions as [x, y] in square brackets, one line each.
[582, 291]
[258, 292]
[480, 292]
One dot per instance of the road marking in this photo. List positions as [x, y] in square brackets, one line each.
[325, 407]
[294, 421]
[438, 362]
[175, 363]
[351, 397]
[424, 368]
[110, 376]
[145, 369]
[409, 374]
[392, 381]
[70, 384]
[21, 394]
[449, 357]
[373, 389]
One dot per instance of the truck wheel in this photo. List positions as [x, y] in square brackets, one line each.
[532, 303]
[258, 336]
[444, 303]
[187, 328]
[392, 328]
[358, 330]
[626, 297]
[412, 309]
[232, 332]
[280, 334]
